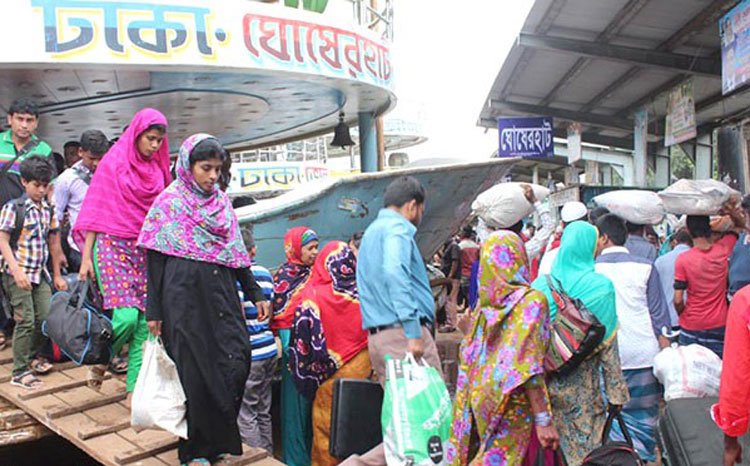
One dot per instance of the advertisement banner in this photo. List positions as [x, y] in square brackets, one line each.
[734, 28]
[680, 120]
[575, 151]
[526, 137]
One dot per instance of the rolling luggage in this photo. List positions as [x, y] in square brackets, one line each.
[688, 437]
[355, 417]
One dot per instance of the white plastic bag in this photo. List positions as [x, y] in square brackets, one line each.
[504, 204]
[697, 197]
[692, 371]
[633, 205]
[158, 398]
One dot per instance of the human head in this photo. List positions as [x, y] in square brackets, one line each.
[467, 232]
[301, 246]
[199, 162]
[150, 140]
[699, 226]
[36, 174]
[23, 118]
[651, 235]
[573, 211]
[91, 149]
[517, 227]
[247, 237]
[746, 204]
[577, 247]
[503, 259]
[635, 229]
[355, 241]
[531, 228]
[337, 265]
[71, 153]
[612, 232]
[242, 201]
[58, 161]
[406, 196]
[596, 213]
[682, 237]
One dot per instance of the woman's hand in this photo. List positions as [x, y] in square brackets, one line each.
[548, 436]
[154, 326]
[87, 269]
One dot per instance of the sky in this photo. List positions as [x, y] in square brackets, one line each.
[445, 60]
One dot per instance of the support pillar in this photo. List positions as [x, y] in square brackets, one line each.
[535, 174]
[704, 158]
[607, 176]
[592, 173]
[640, 146]
[368, 143]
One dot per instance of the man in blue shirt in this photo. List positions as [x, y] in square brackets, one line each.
[398, 309]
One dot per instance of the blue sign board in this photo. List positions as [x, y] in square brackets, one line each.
[526, 137]
[734, 29]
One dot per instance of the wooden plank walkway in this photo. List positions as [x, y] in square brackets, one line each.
[97, 422]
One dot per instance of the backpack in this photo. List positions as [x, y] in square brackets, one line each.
[614, 453]
[574, 335]
[82, 331]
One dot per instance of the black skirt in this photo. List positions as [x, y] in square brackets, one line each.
[204, 332]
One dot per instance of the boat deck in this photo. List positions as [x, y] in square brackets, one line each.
[97, 422]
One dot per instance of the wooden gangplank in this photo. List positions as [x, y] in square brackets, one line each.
[97, 422]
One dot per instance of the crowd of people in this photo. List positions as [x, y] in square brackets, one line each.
[166, 253]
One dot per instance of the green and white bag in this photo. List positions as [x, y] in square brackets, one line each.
[416, 415]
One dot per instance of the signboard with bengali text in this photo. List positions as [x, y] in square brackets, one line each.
[526, 137]
[254, 177]
[680, 119]
[734, 29]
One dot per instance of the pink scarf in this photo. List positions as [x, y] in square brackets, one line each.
[125, 184]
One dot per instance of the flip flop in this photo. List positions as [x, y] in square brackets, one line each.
[41, 366]
[95, 376]
[26, 380]
[119, 365]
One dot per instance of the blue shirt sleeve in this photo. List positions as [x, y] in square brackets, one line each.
[396, 262]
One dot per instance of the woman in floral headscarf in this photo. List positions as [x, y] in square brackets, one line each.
[501, 394]
[328, 341]
[289, 282]
[195, 258]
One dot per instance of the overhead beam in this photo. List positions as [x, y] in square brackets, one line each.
[609, 90]
[621, 19]
[672, 61]
[592, 119]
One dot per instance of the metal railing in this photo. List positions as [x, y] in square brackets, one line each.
[378, 19]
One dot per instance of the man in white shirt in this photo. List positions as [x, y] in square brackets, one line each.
[572, 211]
[642, 313]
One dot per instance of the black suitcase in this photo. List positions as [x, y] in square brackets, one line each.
[688, 437]
[355, 417]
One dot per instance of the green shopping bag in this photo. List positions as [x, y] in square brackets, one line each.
[416, 413]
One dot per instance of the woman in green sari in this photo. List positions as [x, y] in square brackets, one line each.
[579, 410]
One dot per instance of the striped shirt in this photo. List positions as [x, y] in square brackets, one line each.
[261, 338]
[32, 251]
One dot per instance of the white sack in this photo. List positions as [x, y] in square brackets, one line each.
[692, 371]
[504, 204]
[158, 397]
[635, 206]
[697, 197]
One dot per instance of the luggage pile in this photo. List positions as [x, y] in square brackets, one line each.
[698, 197]
[633, 205]
[504, 204]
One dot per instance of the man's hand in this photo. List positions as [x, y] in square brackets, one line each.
[154, 326]
[528, 193]
[732, 451]
[87, 270]
[63, 261]
[735, 213]
[22, 281]
[663, 342]
[60, 283]
[264, 310]
[548, 437]
[416, 348]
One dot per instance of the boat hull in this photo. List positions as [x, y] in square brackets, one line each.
[339, 208]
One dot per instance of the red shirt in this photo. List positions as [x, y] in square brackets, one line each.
[469, 255]
[705, 273]
[731, 413]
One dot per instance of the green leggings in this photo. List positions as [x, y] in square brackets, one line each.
[128, 326]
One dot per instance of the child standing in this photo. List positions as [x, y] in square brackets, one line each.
[254, 420]
[25, 247]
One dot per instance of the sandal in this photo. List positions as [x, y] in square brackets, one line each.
[26, 380]
[41, 366]
[224, 458]
[95, 376]
[119, 365]
[197, 462]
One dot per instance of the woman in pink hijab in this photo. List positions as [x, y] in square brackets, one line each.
[128, 180]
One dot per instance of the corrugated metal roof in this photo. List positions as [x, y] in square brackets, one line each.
[658, 44]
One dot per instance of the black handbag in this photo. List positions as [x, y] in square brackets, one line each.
[355, 417]
[614, 453]
[81, 330]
